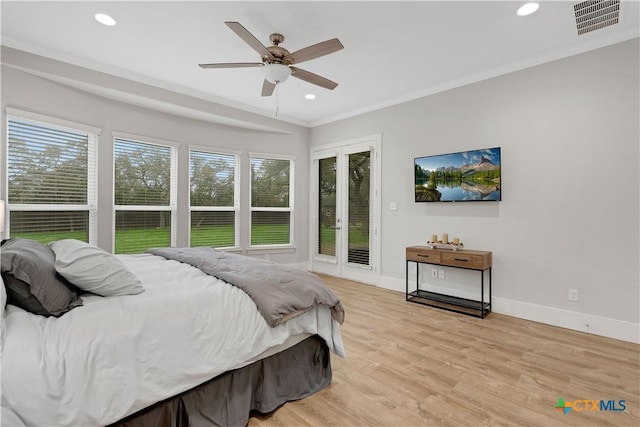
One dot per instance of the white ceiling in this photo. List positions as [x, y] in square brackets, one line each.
[394, 51]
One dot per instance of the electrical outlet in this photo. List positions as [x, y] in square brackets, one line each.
[573, 294]
[440, 274]
[434, 273]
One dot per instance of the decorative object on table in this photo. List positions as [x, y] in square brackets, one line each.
[434, 243]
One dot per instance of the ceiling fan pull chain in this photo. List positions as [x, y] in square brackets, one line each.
[277, 98]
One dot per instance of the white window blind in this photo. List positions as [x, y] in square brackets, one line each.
[51, 181]
[359, 215]
[327, 180]
[271, 200]
[144, 195]
[213, 198]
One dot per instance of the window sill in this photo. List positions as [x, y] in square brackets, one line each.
[271, 249]
[234, 249]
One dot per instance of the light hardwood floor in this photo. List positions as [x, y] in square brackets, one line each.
[412, 365]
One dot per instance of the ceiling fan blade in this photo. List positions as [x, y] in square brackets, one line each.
[267, 88]
[249, 39]
[314, 51]
[232, 65]
[315, 79]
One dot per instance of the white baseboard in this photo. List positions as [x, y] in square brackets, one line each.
[583, 322]
[304, 266]
[392, 284]
[597, 325]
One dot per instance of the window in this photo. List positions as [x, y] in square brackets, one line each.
[214, 207]
[271, 200]
[144, 194]
[51, 178]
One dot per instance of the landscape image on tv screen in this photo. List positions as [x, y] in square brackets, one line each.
[459, 177]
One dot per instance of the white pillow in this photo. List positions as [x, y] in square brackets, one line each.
[93, 269]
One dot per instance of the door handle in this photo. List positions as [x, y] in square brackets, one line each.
[335, 228]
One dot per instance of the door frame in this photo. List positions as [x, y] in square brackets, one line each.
[365, 274]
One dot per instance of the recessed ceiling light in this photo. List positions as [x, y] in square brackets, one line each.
[105, 19]
[310, 96]
[528, 9]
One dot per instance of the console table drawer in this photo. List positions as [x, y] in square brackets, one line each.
[466, 260]
[428, 256]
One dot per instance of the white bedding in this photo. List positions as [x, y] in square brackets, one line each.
[116, 355]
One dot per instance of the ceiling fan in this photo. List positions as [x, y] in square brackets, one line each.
[277, 62]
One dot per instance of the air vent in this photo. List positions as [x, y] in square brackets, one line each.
[592, 15]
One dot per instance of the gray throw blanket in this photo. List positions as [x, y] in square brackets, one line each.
[280, 292]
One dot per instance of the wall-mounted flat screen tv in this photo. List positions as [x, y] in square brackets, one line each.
[466, 176]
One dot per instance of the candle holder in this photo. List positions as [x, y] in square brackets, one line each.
[445, 243]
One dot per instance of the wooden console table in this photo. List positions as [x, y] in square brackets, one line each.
[465, 259]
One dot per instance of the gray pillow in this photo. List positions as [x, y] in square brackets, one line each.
[93, 269]
[28, 270]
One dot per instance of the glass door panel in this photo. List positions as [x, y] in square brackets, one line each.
[359, 191]
[344, 233]
[327, 219]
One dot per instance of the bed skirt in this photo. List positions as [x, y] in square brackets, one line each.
[228, 399]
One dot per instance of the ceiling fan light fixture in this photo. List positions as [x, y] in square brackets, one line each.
[528, 9]
[276, 73]
[105, 19]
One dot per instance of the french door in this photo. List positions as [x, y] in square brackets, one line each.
[345, 210]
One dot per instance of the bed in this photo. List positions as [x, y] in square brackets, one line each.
[186, 349]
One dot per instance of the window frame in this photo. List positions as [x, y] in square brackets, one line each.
[273, 246]
[93, 135]
[173, 184]
[236, 192]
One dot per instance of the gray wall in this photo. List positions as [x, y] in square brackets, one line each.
[39, 95]
[570, 151]
[569, 216]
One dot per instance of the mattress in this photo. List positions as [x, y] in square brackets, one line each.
[116, 355]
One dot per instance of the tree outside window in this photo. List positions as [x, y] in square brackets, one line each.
[213, 199]
[144, 195]
[51, 175]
